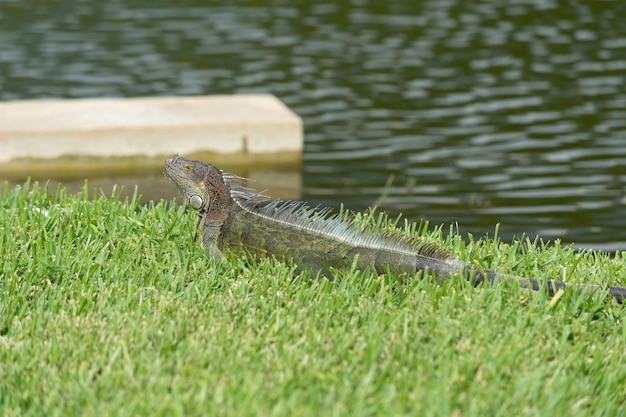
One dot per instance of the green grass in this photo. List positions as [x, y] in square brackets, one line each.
[110, 308]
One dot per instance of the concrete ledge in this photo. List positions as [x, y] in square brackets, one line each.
[240, 124]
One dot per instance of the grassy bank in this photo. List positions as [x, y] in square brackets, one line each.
[109, 308]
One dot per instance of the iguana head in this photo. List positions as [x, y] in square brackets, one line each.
[203, 186]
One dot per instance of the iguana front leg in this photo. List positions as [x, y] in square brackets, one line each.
[210, 232]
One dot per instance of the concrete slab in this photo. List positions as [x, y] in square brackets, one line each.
[151, 127]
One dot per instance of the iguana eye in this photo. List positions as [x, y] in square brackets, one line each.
[195, 201]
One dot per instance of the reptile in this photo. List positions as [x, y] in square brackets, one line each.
[234, 218]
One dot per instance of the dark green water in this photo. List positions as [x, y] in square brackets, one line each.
[481, 112]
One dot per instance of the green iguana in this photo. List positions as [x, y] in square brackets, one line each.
[234, 218]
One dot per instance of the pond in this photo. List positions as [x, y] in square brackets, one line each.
[474, 113]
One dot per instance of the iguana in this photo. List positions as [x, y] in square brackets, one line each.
[234, 218]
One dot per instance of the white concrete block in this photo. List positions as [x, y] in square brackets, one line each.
[253, 124]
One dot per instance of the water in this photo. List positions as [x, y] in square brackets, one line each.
[479, 113]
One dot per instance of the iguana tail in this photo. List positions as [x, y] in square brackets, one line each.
[477, 277]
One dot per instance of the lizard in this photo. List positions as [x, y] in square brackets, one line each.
[237, 219]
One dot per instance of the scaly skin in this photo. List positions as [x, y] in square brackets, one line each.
[234, 219]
